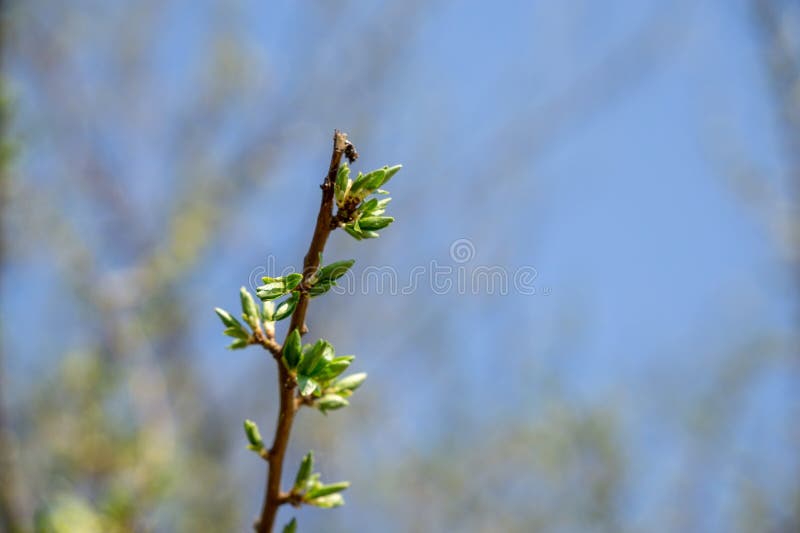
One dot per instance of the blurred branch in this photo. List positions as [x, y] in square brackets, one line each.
[779, 24]
[774, 206]
[774, 19]
[9, 518]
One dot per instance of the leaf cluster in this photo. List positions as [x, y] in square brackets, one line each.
[317, 369]
[360, 216]
[314, 368]
[308, 489]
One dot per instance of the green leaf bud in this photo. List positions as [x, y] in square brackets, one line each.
[237, 333]
[286, 307]
[374, 223]
[334, 271]
[328, 502]
[292, 350]
[390, 171]
[306, 385]
[304, 472]
[227, 319]
[253, 435]
[249, 308]
[331, 402]
[351, 382]
[238, 344]
[327, 490]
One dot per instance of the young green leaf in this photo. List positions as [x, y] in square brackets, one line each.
[292, 350]
[291, 527]
[328, 502]
[334, 271]
[249, 309]
[374, 223]
[327, 490]
[227, 319]
[312, 483]
[378, 209]
[368, 182]
[237, 333]
[293, 280]
[316, 358]
[331, 402]
[322, 363]
[375, 179]
[276, 287]
[368, 206]
[340, 187]
[320, 288]
[238, 344]
[268, 316]
[390, 171]
[272, 288]
[268, 311]
[310, 355]
[335, 367]
[351, 382]
[286, 307]
[304, 472]
[306, 385]
[253, 435]
[356, 183]
[353, 232]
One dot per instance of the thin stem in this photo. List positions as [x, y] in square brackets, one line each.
[286, 383]
[267, 342]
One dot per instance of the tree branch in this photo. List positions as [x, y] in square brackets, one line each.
[268, 343]
[286, 384]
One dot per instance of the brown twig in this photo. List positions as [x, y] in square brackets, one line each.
[273, 498]
[268, 343]
[300, 401]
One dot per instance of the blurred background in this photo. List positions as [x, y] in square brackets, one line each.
[642, 158]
